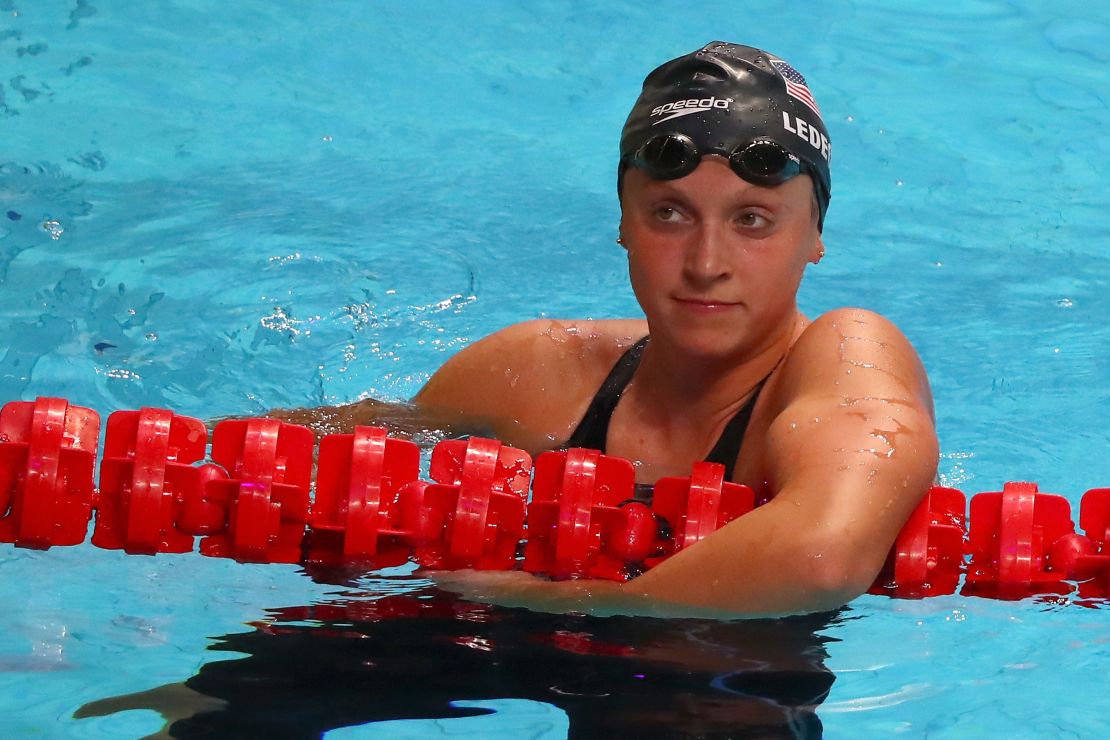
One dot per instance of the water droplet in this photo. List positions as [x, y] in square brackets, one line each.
[850, 119]
[54, 228]
[1065, 303]
[326, 137]
[898, 183]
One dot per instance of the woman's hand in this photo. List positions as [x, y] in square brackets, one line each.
[517, 589]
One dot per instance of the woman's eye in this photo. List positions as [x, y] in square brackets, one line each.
[753, 220]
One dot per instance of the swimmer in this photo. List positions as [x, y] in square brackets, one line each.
[724, 182]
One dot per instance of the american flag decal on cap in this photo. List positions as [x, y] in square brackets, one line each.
[795, 84]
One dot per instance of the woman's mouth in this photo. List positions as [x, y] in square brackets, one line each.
[706, 305]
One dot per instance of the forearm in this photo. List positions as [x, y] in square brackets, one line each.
[752, 567]
[595, 597]
[824, 537]
[404, 420]
[766, 563]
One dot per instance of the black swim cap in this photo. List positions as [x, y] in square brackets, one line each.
[722, 99]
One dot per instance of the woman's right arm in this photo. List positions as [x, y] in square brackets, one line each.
[526, 385]
[496, 387]
[401, 419]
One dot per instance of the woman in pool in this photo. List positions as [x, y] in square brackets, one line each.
[723, 183]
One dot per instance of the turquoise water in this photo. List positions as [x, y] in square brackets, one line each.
[221, 209]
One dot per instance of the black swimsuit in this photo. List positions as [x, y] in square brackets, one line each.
[593, 430]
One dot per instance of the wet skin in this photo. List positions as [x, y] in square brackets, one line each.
[841, 439]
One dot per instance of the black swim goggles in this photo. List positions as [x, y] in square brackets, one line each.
[760, 162]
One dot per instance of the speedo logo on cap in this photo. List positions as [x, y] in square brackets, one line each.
[686, 107]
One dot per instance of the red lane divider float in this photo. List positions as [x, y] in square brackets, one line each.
[47, 454]
[356, 515]
[472, 516]
[927, 557]
[698, 506]
[264, 503]
[1089, 561]
[145, 474]
[251, 501]
[583, 520]
[1010, 534]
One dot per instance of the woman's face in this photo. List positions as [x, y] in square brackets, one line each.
[715, 261]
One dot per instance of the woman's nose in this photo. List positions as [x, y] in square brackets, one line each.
[706, 256]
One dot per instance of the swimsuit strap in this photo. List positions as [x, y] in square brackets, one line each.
[593, 430]
[728, 445]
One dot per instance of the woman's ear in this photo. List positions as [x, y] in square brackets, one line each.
[818, 250]
[620, 233]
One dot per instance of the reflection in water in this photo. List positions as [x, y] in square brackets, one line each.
[365, 658]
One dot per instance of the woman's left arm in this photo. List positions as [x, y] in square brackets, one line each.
[849, 455]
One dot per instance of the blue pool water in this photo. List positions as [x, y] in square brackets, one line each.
[222, 208]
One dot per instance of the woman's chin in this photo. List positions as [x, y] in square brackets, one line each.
[708, 346]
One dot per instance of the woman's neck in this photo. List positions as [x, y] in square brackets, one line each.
[683, 387]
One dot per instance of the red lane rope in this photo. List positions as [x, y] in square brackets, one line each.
[369, 506]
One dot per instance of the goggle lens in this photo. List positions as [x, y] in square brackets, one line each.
[667, 156]
[764, 162]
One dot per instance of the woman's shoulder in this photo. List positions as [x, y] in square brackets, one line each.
[538, 374]
[561, 345]
[591, 334]
[853, 350]
[845, 325]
